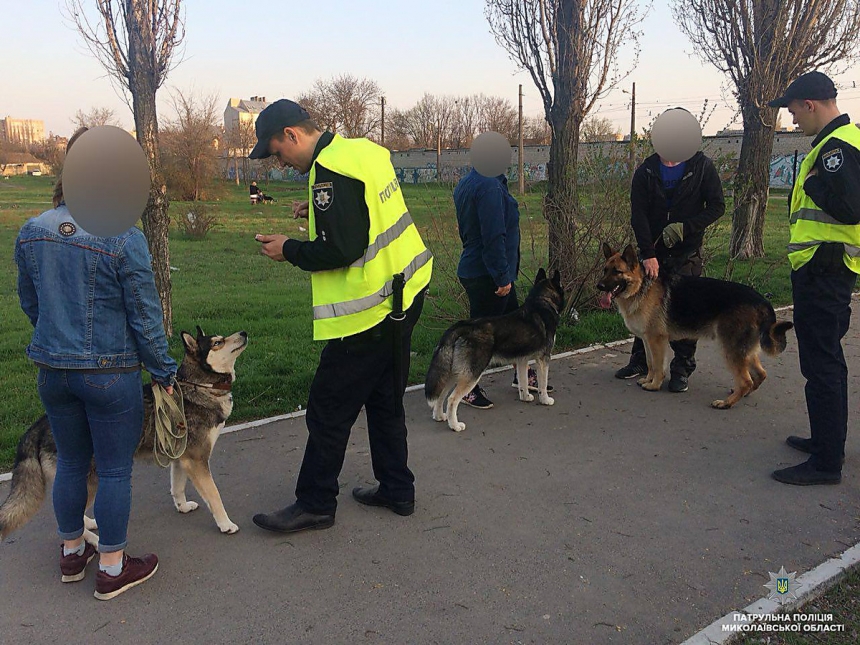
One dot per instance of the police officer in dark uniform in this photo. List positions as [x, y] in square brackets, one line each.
[671, 205]
[824, 252]
[369, 271]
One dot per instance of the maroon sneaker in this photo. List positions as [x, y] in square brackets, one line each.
[74, 566]
[134, 571]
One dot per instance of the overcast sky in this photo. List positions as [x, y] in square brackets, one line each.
[277, 48]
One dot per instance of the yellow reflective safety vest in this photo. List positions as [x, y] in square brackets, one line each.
[810, 226]
[353, 299]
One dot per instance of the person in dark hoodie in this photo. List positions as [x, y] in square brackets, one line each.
[672, 203]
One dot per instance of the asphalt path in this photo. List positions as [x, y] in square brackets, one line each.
[614, 516]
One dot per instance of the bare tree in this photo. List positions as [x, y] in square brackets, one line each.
[95, 117]
[465, 120]
[344, 104]
[319, 106]
[597, 128]
[761, 45]
[52, 151]
[189, 142]
[430, 118]
[397, 130]
[135, 40]
[499, 115]
[536, 130]
[568, 48]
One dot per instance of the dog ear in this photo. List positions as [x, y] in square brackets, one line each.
[541, 275]
[189, 341]
[200, 333]
[629, 256]
[556, 279]
[607, 251]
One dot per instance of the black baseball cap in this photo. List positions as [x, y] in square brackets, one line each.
[279, 115]
[812, 86]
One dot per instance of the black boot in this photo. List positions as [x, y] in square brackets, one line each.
[292, 519]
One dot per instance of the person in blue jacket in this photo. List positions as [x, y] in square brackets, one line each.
[488, 217]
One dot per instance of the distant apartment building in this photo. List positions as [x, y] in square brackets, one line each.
[22, 132]
[243, 113]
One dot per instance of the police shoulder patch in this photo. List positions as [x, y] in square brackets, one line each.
[67, 229]
[832, 160]
[323, 194]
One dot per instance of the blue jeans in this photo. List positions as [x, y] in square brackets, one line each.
[93, 415]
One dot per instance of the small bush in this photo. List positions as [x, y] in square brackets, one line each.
[197, 221]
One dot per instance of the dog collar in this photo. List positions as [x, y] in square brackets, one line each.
[225, 387]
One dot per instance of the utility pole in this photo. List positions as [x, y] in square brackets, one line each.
[632, 161]
[439, 154]
[520, 173]
[382, 137]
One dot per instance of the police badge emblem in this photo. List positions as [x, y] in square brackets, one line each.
[833, 160]
[782, 586]
[323, 195]
[67, 229]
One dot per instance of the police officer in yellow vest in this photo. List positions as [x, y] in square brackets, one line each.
[361, 237]
[824, 252]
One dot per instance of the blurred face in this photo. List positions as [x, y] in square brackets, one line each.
[803, 116]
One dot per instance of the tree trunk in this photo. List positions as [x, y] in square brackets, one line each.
[156, 221]
[752, 182]
[565, 117]
[560, 204]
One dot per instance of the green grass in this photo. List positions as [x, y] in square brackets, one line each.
[842, 601]
[224, 285]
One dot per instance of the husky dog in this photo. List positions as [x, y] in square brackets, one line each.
[206, 376]
[467, 348]
[681, 307]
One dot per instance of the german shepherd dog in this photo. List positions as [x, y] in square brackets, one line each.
[205, 376]
[682, 307]
[467, 348]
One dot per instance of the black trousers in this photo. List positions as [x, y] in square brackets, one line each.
[684, 361]
[483, 300]
[822, 313]
[354, 372]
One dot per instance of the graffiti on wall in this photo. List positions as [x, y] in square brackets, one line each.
[782, 170]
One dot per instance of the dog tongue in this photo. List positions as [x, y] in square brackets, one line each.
[605, 300]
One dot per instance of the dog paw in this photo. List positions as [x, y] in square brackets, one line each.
[457, 427]
[528, 397]
[90, 524]
[719, 404]
[91, 538]
[441, 417]
[547, 400]
[651, 386]
[229, 528]
[186, 507]
[643, 380]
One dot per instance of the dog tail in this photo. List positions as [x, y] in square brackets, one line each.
[441, 368]
[773, 335]
[29, 481]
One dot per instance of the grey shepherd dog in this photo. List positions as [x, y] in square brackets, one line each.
[467, 348]
[206, 376]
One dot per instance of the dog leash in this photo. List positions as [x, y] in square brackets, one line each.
[171, 429]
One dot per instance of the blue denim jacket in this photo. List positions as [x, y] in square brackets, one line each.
[488, 217]
[92, 300]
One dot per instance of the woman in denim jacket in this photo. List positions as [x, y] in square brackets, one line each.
[96, 316]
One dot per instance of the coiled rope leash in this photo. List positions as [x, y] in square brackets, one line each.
[171, 428]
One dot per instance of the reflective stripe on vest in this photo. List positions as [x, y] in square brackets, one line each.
[353, 299]
[811, 226]
[384, 239]
[368, 302]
